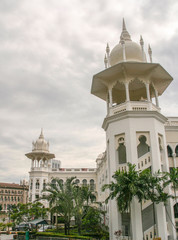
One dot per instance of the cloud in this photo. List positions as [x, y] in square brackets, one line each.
[49, 51]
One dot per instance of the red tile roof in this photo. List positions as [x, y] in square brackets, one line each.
[12, 185]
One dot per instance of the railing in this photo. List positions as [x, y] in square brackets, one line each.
[123, 167]
[133, 106]
[144, 161]
[77, 169]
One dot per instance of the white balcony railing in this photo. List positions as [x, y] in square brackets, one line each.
[133, 106]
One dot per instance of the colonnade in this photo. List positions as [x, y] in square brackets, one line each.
[37, 163]
[127, 93]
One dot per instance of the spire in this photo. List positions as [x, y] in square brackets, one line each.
[41, 135]
[150, 53]
[142, 47]
[141, 40]
[107, 48]
[105, 61]
[125, 34]
[123, 25]
[108, 55]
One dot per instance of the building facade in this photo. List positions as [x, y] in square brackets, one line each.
[12, 194]
[136, 132]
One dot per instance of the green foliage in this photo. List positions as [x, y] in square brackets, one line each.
[68, 200]
[2, 226]
[60, 199]
[27, 212]
[92, 220]
[83, 197]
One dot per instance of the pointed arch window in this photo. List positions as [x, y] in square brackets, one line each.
[169, 151]
[176, 151]
[176, 210]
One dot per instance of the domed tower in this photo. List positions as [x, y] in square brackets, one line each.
[40, 166]
[134, 127]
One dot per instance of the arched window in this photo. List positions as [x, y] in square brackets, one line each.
[121, 151]
[176, 151]
[31, 185]
[53, 182]
[84, 182]
[176, 210]
[142, 147]
[169, 151]
[77, 181]
[92, 185]
[44, 184]
[61, 181]
[37, 184]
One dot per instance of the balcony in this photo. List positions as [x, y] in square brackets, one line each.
[133, 106]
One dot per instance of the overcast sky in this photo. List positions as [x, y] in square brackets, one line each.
[49, 51]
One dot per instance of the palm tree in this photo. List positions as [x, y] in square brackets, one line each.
[60, 198]
[173, 179]
[123, 189]
[83, 197]
[156, 191]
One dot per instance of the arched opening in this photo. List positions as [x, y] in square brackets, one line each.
[44, 184]
[92, 185]
[77, 181]
[176, 210]
[169, 151]
[53, 182]
[176, 151]
[142, 147]
[84, 182]
[121, 151]
[61, 181]
[137, 90]
[37, 184]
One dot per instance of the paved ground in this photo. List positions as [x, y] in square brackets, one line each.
[6, 237]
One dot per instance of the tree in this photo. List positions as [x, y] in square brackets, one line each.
[92, 221]
[60, 198]
[27, 212]
[83, 197]
[143, 185]
[123, 189]
[173, 180]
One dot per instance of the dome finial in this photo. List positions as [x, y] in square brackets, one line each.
[41, 135]
[125, 34]
[123, 25]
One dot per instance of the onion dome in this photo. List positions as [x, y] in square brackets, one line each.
[132, 50]
[41, 145]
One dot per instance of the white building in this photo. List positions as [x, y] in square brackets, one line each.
[136, 132]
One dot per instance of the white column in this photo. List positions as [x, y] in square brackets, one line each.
[32, 163]
[107, 104]
[110, 97]
[147, 91]
[127, 91]
[156, 98]
[136, 220]
[174, 159]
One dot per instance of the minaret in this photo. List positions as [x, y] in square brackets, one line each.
[134, 127]
[40, 166]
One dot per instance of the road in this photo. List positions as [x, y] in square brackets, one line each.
[6, 237]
